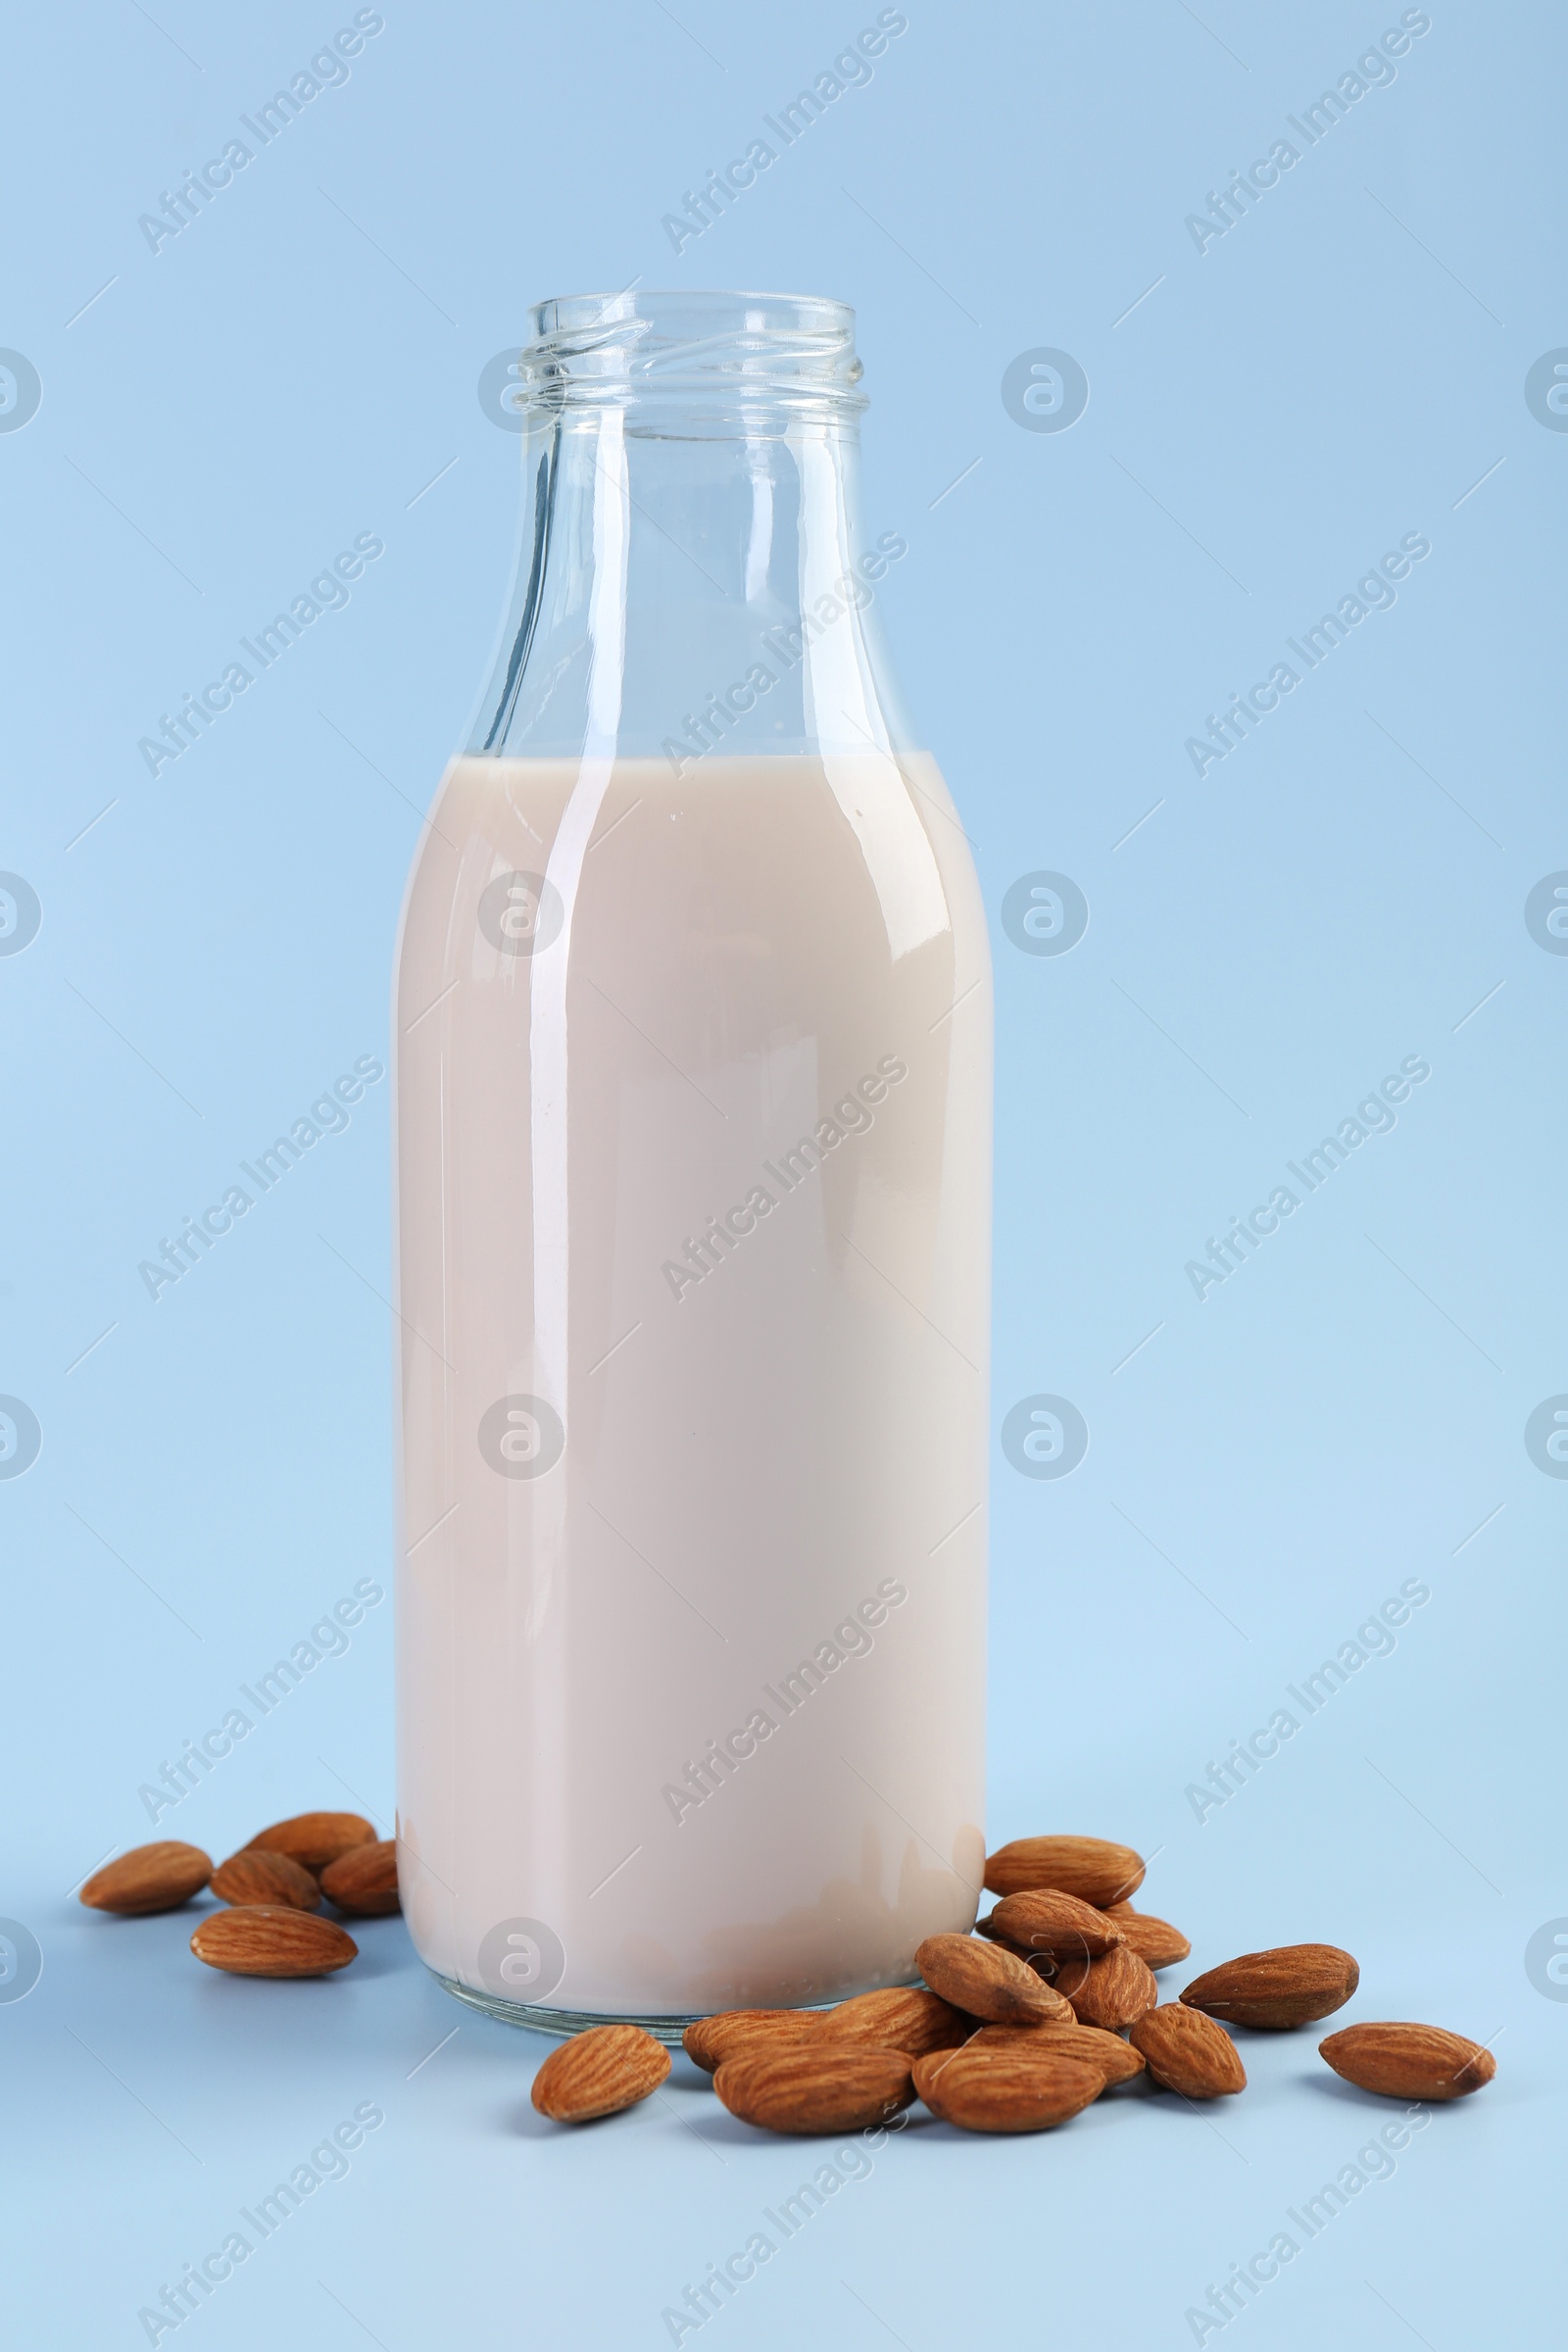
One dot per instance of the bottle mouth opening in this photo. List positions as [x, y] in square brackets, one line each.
[708, 353]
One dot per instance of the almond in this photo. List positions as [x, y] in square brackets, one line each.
[599, 2072]
[252, 1877]
[1188, 2052]
[313, 1839]
[713, 2039]
[268, 1939]
[1287, 1987]
[1057, 1925]
[1091, 1868]
[1117, 2059]
[985, 1980]
[1409, 2061]
[1155, 1941]
[811, 2086]
[903, 2017]
[1114, 1989]
[999, 2090]
[150, 1877]
[1044, 1966]
[365, 1880]
[992, 1934]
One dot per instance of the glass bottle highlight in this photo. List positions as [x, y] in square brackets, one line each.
[693, 1128]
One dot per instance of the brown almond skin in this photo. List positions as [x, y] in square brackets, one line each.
[901, 2016]
[1155, 1941]
[313, 1839]
[1408, 2062]
[268, 1939]
[1060, 1975]
[1117, 2059]
[365, 1880]
[997, 2090]
[1114, 1989]
[599, 2072]
[1292, 1985]
[810, 2086]
[253, 1877]
[1094, 1868]
[151, 1878]
[1188, 2052]
[713, 2039]
[1058, 1925]
[987, 1927]
[985, 1980]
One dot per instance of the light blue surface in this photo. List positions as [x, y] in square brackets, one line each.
[1344, 367]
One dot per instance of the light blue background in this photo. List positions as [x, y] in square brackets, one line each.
[296, 367]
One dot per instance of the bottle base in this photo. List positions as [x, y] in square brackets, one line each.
[535, 2018]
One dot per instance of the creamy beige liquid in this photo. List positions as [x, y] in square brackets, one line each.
[691, 1628]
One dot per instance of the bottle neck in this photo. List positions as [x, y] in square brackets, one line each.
[690, 583]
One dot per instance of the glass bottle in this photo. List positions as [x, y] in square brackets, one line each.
[693, 1131]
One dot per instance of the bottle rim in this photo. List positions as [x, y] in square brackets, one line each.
[715, 351]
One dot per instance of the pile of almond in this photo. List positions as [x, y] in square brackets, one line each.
[1021, 2025]
[273, 1888]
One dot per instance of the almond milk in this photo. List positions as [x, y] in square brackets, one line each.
[692, 1170]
